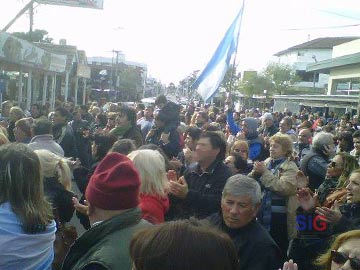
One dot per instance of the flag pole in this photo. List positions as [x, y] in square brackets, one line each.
[209, 80]
[235, 55]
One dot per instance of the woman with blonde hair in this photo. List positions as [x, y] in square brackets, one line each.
[277, 174]
[3, 138]
[27, 228]
[241, 148]
[344, 253]
[57, 183]
[154, 201]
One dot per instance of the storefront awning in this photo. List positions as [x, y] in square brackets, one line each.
[21, 52]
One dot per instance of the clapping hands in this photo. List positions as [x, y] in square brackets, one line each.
[306, 198]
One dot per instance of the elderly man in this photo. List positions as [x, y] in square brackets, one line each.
[303, 143]
[285, 126]
[240, 203]
[198, 193]
[268, 125]
[314, 164]
[43, 138]
[112, 196]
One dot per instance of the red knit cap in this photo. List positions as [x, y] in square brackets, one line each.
[115, 184]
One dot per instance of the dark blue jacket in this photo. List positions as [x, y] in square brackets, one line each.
[255, 247]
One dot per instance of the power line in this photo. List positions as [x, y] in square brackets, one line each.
[338, 14]
[322, 27]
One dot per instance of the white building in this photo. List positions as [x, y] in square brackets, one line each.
[299, 56]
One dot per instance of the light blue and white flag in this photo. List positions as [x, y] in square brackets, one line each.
[212, 75]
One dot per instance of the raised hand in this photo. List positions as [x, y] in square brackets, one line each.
[179, 188]
[165, 137]
[290, 265]
[330, 215]
[302, 180]
[83, 209]
[306, 198]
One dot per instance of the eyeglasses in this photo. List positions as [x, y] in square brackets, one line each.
[341, 258]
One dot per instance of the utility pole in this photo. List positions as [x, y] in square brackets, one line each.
[21, 12]
[117, 82]
[31, 11]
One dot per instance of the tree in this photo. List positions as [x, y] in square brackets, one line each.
[282, 77]
[37, 35]
[131, 81]
[186, 83]
[254, 85]
[231, 79]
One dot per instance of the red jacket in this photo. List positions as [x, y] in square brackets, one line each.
[153, 207]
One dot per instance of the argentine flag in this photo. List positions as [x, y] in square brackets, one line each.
[212, 75]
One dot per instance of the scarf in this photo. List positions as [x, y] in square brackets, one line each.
[265, 218]
[119, 132]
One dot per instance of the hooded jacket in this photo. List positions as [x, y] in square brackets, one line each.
[252, 137]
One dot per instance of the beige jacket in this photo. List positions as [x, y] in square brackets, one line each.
[284, 184]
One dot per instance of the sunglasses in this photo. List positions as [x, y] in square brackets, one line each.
[341, 258]
[240, 151]
[333, 164]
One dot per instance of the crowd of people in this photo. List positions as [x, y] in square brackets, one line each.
[166, 186]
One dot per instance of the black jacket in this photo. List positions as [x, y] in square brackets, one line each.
[81, 131]
[205, 189]
[172, 148]
[314, 164]
[256, 249]
[64, 135]
[350, 219]
[60, 198]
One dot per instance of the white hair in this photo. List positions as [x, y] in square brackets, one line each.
[151, 167]
[242, 185]
[321, 139]
[53, 165]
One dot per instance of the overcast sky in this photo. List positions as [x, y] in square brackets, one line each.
[176, 37]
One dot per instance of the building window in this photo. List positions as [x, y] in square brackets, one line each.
[347, 86]
[301, 53]
[307, 76]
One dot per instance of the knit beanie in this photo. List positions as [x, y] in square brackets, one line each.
[115, 184]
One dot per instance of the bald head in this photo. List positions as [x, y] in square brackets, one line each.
[304, 136]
